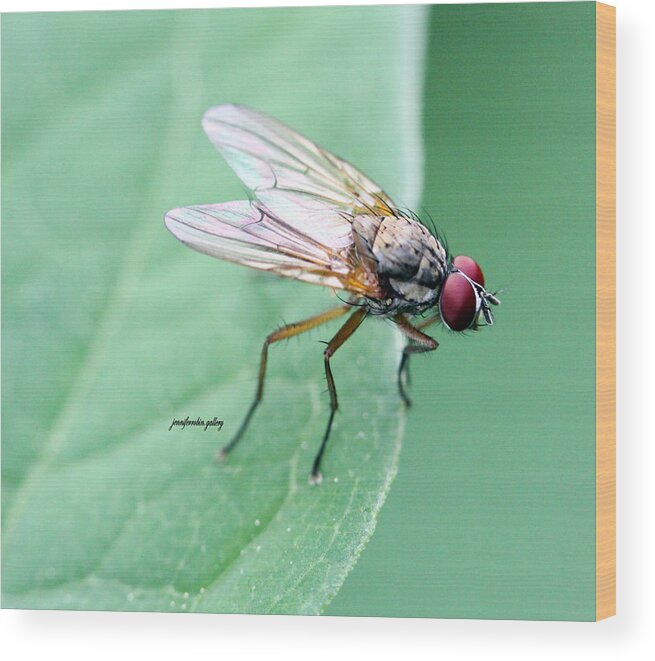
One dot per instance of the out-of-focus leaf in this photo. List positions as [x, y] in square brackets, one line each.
[111, 328]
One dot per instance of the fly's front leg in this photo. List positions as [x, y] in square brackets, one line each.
[419, 342]
[281, 334]
[404, 379]
[342, 335]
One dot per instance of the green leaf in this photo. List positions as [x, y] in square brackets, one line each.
[111, 328]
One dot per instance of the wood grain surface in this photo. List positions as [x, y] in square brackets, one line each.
[605, 311]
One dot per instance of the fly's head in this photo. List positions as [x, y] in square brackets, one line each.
[464, 303]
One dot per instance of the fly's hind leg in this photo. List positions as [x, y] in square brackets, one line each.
[280, 334]
[419, 342]
[342, 335]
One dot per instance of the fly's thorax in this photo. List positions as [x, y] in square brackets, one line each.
[407, 257]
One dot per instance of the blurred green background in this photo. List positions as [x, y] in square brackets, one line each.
[492, 513]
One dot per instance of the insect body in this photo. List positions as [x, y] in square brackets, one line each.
[410, 264]
[314, 217]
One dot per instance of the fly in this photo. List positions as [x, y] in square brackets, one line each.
[316, 218]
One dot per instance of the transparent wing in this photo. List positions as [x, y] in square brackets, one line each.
[314, 191]
[248, 234]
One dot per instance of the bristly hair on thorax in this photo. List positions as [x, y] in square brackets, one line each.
[429, 224]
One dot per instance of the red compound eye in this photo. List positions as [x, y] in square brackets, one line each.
[470, 267]
[458, 302]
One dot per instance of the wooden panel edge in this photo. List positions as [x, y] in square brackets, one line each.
[605, 311]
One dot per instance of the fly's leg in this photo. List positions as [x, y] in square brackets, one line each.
[419, 342]
[404, 379]
[342, 335]
[428, 322]
[280, 334]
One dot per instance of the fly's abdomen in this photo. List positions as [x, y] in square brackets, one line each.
[408, 259]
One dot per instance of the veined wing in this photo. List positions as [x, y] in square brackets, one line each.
[249, 234]
[313, 190]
